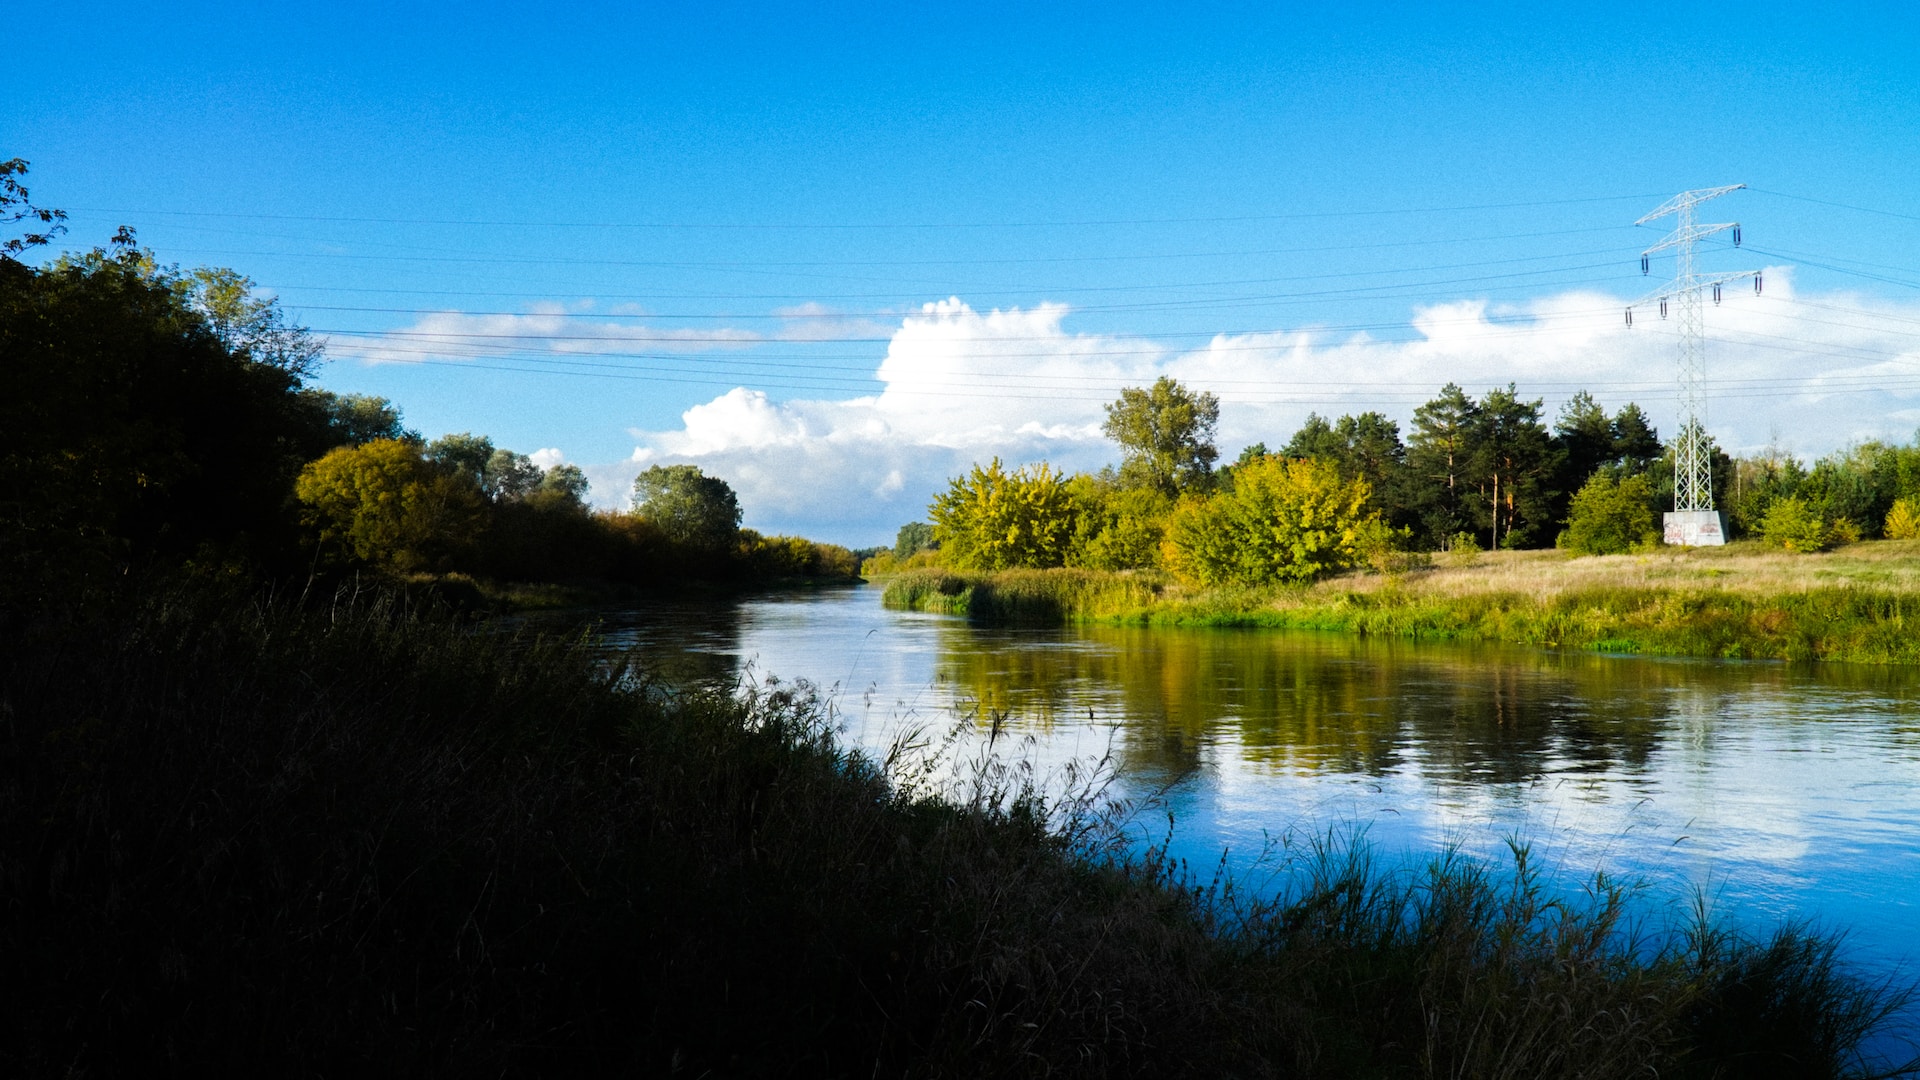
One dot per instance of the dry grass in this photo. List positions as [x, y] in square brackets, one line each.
[1746, 567]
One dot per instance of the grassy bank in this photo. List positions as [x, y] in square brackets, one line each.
[1861, 603]
[241, 838]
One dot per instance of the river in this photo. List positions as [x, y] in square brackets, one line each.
[1778, 791]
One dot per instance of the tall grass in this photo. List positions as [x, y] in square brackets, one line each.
[1853, 608]
[256, 838]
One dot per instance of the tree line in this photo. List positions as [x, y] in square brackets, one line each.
[165, 417]
[1486, 472]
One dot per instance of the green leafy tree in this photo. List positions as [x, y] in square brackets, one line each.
[510, 477]
[356, 419]
[44, 226]
[689, 507]
[991, 519]
[1166, 436]
[384, 503]
[1116, 527]
[564, 482]
[133, 433]
[1610, 516]
[464, 454]
[250, 324]
[913, 538]
[1793, 524]
[1286, 519]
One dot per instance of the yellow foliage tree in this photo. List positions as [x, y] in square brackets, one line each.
[384, 503]
[995, 520]
[1284, 520]
[1903, 520]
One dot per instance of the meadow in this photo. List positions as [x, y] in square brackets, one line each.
[1742, 600]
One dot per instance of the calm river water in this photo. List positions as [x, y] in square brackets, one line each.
[1781, 790]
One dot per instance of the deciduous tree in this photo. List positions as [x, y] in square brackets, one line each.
[689, 507]
[1166, 436]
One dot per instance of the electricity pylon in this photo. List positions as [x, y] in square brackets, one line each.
[1694, 520]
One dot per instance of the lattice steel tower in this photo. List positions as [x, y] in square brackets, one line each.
[1694, 520]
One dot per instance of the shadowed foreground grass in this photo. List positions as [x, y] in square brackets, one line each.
[1860, 604]
[237, 837]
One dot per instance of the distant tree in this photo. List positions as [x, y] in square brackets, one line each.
[44, 225]
[1166, 436]
[465, 455]
[1587, 438]
[1636, 445]
[1286, 519]
[356, 419]
[249, 324]
[689, 507]
[1316, 439]
[913, 538]
[384, 503]
[510, 477]
[1441, 452]
[991, 519]
[564, 482]
[1518, 463]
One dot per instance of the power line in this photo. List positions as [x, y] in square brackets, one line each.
[812, 226]
[1841, 205]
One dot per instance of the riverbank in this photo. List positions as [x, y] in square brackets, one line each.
[1859, 604]
[243, 836]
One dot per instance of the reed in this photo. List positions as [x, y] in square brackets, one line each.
[262, 837]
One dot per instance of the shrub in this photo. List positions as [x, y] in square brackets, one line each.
[1903, 521]
[1610, 516]
[995, 520]
[1792, 524]
[1285, 520]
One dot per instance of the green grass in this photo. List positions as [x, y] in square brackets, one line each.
[241, 837]
[1707, 610]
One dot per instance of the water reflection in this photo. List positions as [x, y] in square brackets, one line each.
[1785, 790]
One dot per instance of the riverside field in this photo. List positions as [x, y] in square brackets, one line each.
[1859, 603]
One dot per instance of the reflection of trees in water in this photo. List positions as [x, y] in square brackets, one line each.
[1327, 703]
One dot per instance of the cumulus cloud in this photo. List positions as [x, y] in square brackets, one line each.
[961, 386]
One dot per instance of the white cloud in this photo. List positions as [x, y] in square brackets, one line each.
[962, 386]
[547, 457]
[552, 329]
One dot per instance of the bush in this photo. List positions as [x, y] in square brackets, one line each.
[1610, 517]
[1284, 520]
[995, 520]
[1792, 524]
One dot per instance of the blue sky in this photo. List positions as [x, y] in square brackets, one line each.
[626, 235]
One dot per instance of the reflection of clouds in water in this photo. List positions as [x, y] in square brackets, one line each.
[1779, 789]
